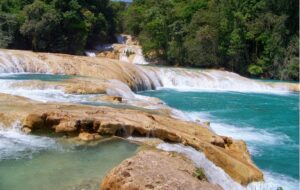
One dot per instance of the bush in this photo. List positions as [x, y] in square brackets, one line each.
[199, 173]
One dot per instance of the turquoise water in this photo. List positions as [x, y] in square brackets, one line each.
[33, 76]
[30, 162]
[269, 123]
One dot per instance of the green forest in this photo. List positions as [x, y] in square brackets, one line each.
[67, 26]
[256, 38]
[251, 37]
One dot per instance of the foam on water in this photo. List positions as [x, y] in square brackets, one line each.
[255, 138]
[273, 181]
[14, 144]
[42, 94]
[249, 134]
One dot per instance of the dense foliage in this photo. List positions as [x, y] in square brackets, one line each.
[251, 37]
[58, 26]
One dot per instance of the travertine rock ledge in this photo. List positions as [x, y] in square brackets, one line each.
[152, 169]
[72, 119]
[100, 68]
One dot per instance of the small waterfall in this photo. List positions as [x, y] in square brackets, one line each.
[90, 53]
[207, 80]
[10, 63]
[117, 88]
[14, 61]
[213, 173]
[132, 54]
[15, 144]
[139, 58]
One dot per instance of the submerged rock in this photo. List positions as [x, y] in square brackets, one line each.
[88, 136]
[152, 169]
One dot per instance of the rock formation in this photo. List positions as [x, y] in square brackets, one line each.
[152, 169]
[100, 68]
[72, 119]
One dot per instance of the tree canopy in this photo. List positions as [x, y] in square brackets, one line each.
[66, 26]
[252, 37]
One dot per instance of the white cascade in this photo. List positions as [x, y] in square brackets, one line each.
[207, 80]
[9, 63]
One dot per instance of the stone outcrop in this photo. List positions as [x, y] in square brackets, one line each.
[72, 119]
[100, 68]
[152, 169]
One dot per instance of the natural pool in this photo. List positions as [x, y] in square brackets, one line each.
[34, 76]
[32, 162]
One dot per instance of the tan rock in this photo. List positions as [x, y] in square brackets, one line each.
[72, 119]
[88, 136]
[152, 169]
[112, 99]
[34, 121]
[235, 160]
[100, 68]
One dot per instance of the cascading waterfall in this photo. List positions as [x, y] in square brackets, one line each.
[207, 80]
[29, 62]
[149, 77]
[10, 63]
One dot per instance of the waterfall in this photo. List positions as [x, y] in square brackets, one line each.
[10, 63]
[208, 80]
[138, 77]
[14, 61]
